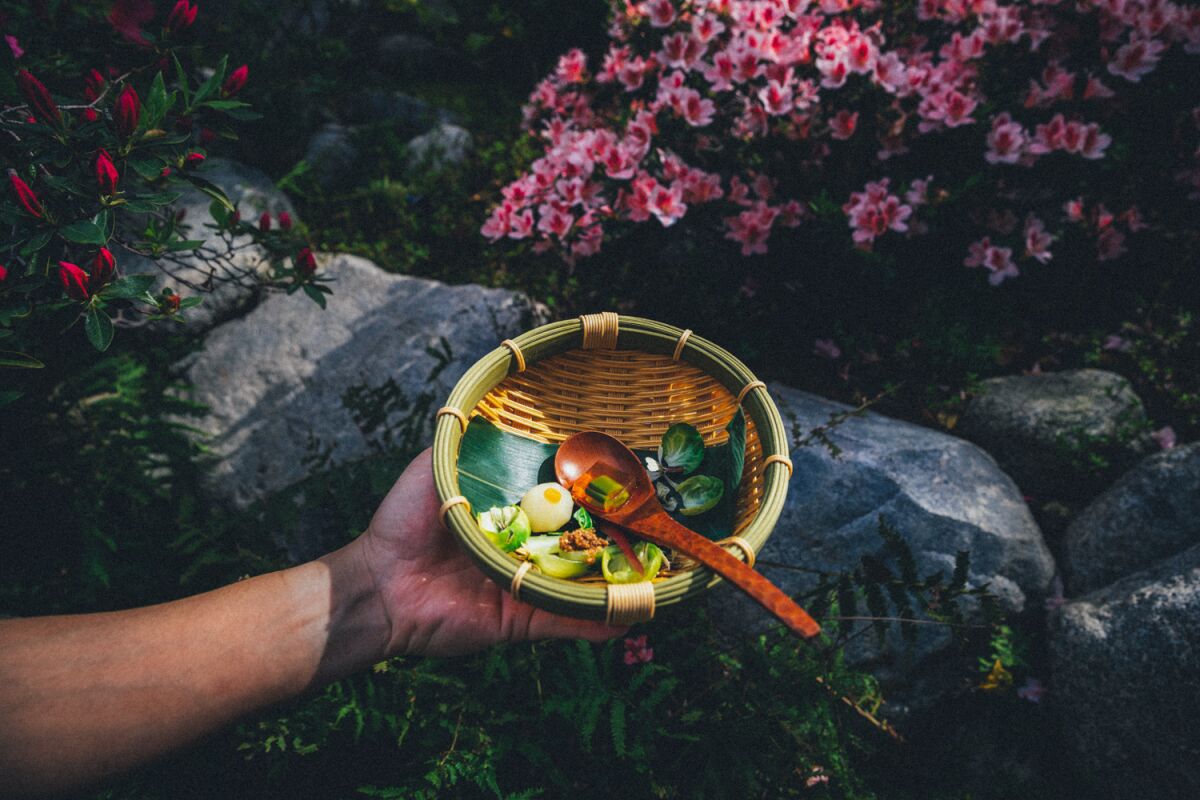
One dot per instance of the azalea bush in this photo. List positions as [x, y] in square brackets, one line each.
[108, 117]
[995, 129]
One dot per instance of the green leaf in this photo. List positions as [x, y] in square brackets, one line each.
[243, 114]
[9, 396]
[83, 232]
[315, 294]
[129, 287]
[496, 468]
[36, 243]
[182, 79]
[210, 85]
[225, 105]
[700, 493]
[184, 244]
[190, 302]
[99, 329]
[682, 449]
[148, 168]
[156, 105]
[210, 189]
[15, 360]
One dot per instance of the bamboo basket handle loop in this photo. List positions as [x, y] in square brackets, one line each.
[517, 354]
[514, 588]
[683, 337]
[776, 458]
[457, 500]
[629, 603]
[600, 330]
[742, 545]
[453, 412]
[748, 388]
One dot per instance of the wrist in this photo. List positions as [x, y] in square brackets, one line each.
[359, 629]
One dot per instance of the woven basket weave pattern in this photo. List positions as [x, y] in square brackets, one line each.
[628, 394]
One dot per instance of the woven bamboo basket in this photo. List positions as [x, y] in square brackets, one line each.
[631, 378]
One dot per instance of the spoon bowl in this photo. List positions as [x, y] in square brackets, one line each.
[607, 478]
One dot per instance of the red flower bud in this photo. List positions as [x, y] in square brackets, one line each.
[207, 136]
[235, 81]
[181, 17]
[193, 160]
[93, 84]
[103, 268]
[306, 262]
[38, 97]
[264, 222]
[89, 115]
[3, 273]
[74, 280]
[26, 196]
[164, 172]
[106, 173]
[235, 218]
[285, 220]
[127, 111]
[172, 302]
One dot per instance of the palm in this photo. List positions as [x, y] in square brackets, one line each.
[438, 601]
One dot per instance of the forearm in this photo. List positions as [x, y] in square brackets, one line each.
[86, 696]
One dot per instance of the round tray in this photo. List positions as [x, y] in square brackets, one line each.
[629, 377]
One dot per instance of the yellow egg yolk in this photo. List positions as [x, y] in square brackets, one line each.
[552, 495]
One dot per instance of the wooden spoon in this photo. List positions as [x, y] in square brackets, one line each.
[606, 478]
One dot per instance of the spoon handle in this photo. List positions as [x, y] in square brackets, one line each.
[661, 529]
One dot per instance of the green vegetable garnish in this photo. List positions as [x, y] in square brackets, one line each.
[557, 567]
[617, 569]
[607, 492]
[583, 518]
[699, 493]
[506, 526]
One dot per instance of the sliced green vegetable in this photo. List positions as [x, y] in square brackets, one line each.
[607, 492]
[558, 567]
[506, 526]
[617, 569]
[681, 449]
[699, 493]
[541, 544]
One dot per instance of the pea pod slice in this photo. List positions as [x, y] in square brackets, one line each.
[617, 569]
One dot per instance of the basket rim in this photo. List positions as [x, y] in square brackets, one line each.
[634, 333]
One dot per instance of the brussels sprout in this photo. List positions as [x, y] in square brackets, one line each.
[681, 449]
[699, 493]
[507, 526]
[617, 569]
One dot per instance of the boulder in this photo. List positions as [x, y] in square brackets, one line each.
[444, 146]
[292, 388]
[412, 56]
[1150, 513]
[1126, 682]
[940, 493]
[332, 156]
[1046, 430]
[226, 273]
[403, 114]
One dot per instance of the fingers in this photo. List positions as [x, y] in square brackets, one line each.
[544, 625]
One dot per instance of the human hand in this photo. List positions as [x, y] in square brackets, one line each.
[437, 601]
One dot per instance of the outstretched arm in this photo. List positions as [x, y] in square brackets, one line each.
[83, 697]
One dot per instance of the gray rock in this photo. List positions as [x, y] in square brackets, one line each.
[407, 116]
[1126, 682]
[940, 493]
[411, 55]
[332, 156]
[1151, 513]
[292, 388]
[444, 146]
[1042, 429]
[226, 272]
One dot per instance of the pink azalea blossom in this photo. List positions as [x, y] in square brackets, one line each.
[843, 123]
[1037, 240]
[827, 349]
[874, 211]
[1116, 343]
[1110, 244]
[1005, 141]
[996, 260]
[661, 12]
[1137, 58]
[1164, 437]
[14, 46]
[637, 651]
